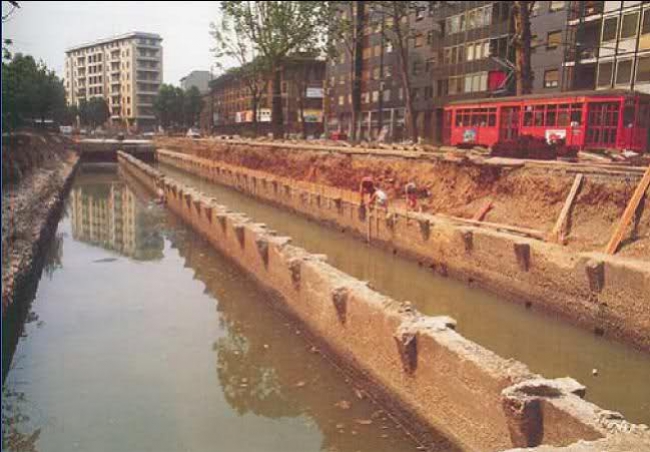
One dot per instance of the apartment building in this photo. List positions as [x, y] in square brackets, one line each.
[199, 79]
[125, 70]
[608, 45]
[229, 103]
[457, 51]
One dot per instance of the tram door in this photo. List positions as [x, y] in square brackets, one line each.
[602, 124]
[509, 123]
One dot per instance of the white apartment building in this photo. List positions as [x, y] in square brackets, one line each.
[126, 70]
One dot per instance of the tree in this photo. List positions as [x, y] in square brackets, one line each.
[193, 104]
[522, 42]
[345, 33]
[394, 19]
[29, 91]
[93, 112]
[233, 44]
[277, 30]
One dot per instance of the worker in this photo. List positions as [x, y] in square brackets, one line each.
[411, 196]
[379, 198]
[367, 187]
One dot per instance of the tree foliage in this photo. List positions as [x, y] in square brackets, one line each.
[276, 30]
[92, 113]
[30, 91]
[175, 108]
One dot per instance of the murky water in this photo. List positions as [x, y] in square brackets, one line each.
[142, 338]
[547, 345]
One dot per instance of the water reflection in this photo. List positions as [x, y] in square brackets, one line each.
[265, 368]
[107, 215]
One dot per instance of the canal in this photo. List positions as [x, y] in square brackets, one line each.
[141, 337]
[546, 344]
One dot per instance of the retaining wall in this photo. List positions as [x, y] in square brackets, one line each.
[607, 294]
[442, 380]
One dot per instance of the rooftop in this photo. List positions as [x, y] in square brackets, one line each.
[133, 34]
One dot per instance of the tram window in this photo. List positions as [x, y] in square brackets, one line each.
[539, 115]
[645, 25]
[628, 116]
[563, 115]
[576, 114]
[492, 117]
[528, 118]
[551, 115]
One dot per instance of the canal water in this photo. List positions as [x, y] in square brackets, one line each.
[141, 337]
[546, 344]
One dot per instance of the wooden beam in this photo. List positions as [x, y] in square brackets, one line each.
[639, 193]
[484, 210]
[534, 233]
[558, 233]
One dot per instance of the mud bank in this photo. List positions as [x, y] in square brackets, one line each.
[609, 295]
[31, 208]
[422, 364]
[524, 194]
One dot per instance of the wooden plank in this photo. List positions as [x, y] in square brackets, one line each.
[558, 233]
[484, 210]
[534, 233]
[639, 193]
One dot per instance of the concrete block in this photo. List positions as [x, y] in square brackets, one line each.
[522, 253]
[596, 275]
[407, 349]
[295, 268]
[467, 238]
[340, 301]
[263, 249]
[425, 228]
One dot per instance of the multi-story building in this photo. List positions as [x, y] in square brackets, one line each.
[456, 51]
[229, 103]
[125, 70]
[608, 46]
[200, 79]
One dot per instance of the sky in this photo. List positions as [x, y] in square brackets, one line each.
[45, 29]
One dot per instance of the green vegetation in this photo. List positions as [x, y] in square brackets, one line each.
[175, 108]
[30, 91]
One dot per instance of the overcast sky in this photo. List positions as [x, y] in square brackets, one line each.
[46, 29]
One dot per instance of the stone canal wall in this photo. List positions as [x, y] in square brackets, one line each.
[608, 294]
[441, 379]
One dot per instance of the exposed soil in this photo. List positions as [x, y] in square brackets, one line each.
[38, 166]
[523, 197]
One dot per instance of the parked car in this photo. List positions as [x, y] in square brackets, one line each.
[191, 133]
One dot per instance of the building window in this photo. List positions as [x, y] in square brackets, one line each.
[610, 26]
[554, 39]
[624, 72]
[428, 92]
[556, 6]
[430, 37]
[419, 40]
[420, 13]
[376, 73]
[417, 68]
[388, 71]
[375, 96]
[377, 50]
[643, 70]
[551, 78]
[341, 100]
[629, 26]
[415, 93]
[605, 71]
[645, 26]
[400, 94]
[386, 96]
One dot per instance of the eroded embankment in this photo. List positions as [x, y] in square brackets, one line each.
[421, 363]
[610, 295]
[31, 206]
[529, 196]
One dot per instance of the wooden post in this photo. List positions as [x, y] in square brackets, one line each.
[483, 212]
[558, 233]
[639, 193]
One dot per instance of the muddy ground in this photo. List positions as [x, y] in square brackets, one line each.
[36, 167]
[524, 197]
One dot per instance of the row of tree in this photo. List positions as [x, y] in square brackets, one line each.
[30, 91]
[260, 36]
[175, 108]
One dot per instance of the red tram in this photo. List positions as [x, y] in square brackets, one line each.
[610, 119]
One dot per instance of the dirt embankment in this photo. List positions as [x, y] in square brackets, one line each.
[38, 166]
[531, 198]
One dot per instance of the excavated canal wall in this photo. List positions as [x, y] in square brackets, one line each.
[442, 380]
[607, 294]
